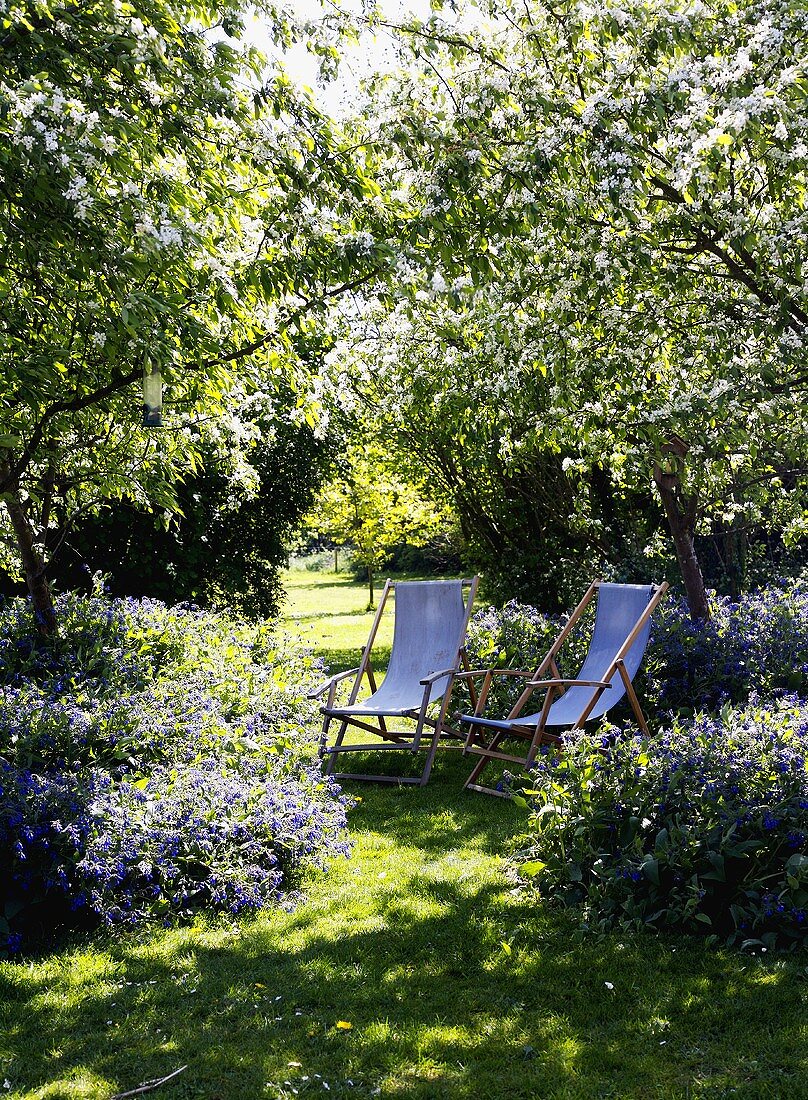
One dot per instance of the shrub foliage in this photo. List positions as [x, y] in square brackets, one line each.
[755, 644]
[153, 760]
[224, 546]
[701, 828]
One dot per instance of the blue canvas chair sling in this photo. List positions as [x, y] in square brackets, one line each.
[431, 618]
[619, 639]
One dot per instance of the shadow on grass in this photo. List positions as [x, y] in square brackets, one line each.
[412, 971]
[329, 580]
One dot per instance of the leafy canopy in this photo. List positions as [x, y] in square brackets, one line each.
[612, 202]
[164, 203]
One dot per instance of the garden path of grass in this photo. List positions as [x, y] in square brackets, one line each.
[412, 971]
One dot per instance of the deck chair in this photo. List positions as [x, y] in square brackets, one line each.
[428, 635]
[619, 638]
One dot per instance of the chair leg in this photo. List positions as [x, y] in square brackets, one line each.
[332, 755]
[430, 757]
[632, 697]
[535, 745]
[324, 735]
[475, 774]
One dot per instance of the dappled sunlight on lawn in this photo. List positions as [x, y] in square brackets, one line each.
[413, 969]
[329, 613]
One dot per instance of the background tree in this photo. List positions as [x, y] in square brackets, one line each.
[456, 391]
[226, 539]
[161, 205]
[372, 508]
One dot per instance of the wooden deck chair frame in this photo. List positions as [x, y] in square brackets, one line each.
[429, 728]
[485, 743]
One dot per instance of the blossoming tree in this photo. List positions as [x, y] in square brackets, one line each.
[162, 205]
[626, 181]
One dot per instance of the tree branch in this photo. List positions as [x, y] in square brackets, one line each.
[309, 303]
[119, 383]
[446, 40]
[740, 262]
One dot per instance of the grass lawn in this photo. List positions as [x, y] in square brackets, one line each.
[453, 985]
[412, 971]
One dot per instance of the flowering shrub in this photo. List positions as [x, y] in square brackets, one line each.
[515, 635]
[758, 643]
[153, 760]
[702, 827]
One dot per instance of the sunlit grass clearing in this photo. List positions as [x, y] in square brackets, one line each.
[454, 986]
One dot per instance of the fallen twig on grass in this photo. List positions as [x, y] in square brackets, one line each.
[147, 1086]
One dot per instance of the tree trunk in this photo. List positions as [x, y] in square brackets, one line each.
[336, 559]
[681, 514]
[370, 587]
[34, 566]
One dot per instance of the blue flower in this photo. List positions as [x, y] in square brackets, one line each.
[138, 802]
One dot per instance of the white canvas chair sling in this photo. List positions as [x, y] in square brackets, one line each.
[616, 650]
[431, 618]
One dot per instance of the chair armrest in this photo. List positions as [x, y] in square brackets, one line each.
[493, 672]
[430, 679]
[569, 683]
[333, 680]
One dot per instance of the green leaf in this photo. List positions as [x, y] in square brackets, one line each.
[532, 868]
[12, 907]
[663, 841]
[797, 864]
[247, 744]
[650, 868]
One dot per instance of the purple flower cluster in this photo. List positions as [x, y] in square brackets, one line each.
[154, 760]
[217, 833]
[758, 643]
[702, 827]
[514, 634]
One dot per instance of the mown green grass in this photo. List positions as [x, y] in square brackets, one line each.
[455, 984]
[329, 612]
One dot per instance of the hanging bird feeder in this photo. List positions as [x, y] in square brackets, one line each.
[152, 396]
